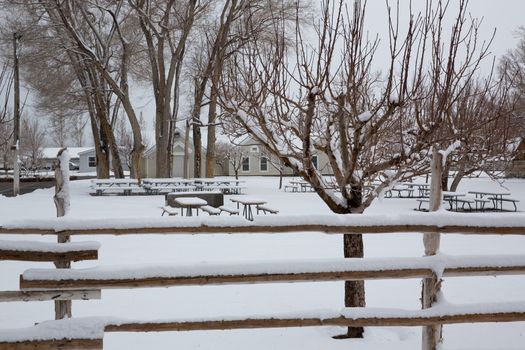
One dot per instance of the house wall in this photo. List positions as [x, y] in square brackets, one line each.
[83, 162]
[177, 170]
[517, 167]
[254, 152]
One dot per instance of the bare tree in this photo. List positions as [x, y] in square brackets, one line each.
[166, 26]
[371, 126]
[223, 36]
[64, 82]
[233, 154]
[487, 126]
[32, 138]
[6, 81]
[102, 47]
[512, 67]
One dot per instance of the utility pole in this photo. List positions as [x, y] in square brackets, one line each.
[16, 129]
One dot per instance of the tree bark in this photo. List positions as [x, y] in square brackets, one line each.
[444, 178]
[354, 290]
[186, 166]
[197, 151]
[212, 114]
[457, 179]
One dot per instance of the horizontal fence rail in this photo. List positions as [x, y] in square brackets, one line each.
[349, 317]
[71, 284]
[501, 224]
[48, 256]
[277, 271]
[44, 295]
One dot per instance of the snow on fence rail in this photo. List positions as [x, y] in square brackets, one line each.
[88, 333]
[43, 251]
[290, 270]
[442, 222]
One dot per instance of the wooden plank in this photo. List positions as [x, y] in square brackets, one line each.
[431, 335]
[8, 296]
[48, 256]
[69, 284]
[253, 228]
[377, 320]
[63, 344]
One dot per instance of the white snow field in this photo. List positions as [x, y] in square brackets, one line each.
[234, 301]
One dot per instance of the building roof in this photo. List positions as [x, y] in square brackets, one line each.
[51, 152]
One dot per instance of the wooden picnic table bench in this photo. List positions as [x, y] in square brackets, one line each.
[248, 203]
[190, 203]
[116, 186]
[231, 211]
[497, 198]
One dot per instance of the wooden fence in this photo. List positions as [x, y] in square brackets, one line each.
[71, 285]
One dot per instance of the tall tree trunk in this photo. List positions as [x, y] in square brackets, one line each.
[102, 161]
[197, 151]
[444, 178]
[106, 131]
[161, 143]
[186, 166]
[457, 179]
[195, 124]
[212, 114]
[354, 290]
[353, 247]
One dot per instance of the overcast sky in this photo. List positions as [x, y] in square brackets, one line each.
[503, 15]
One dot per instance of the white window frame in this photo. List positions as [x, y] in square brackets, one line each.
[92, 160]
[260, 164]
[242, 165]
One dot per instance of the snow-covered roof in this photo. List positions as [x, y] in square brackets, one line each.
[51, 152]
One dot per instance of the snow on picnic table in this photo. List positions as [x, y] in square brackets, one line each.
[212, 301]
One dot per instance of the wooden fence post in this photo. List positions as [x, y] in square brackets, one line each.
[431, 286]
[61, 199]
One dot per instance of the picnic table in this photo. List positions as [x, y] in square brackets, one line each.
[302, 185]
[226, 186]
[453, 199]
[496, 197]
[190, 203]
[124, 186]
[248, 203]
[156, 186]
[422, 189]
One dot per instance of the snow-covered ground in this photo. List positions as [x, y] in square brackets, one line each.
[214, 301]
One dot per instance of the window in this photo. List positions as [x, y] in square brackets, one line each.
[264, 164]
[92, 162]
[314, 161]
[254, 149]
[246, 164]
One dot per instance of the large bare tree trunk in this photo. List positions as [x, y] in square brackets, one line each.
[212, 114]
[457, 179]
[353, 247]
[354, 290]
[186, 166]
